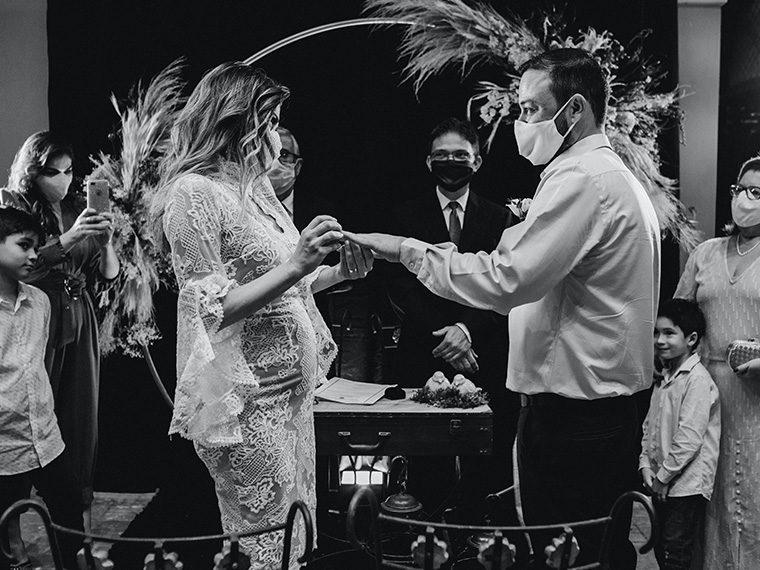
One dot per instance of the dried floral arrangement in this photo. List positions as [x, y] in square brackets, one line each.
[450, 398]
[126, 306]
[453, 34]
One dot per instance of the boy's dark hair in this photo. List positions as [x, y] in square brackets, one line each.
[15, 221]
[464, 129]
[686, 315]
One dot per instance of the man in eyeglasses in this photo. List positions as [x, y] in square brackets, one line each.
[302, 206]
[438, 334]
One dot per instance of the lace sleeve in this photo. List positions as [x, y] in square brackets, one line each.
[210, 362]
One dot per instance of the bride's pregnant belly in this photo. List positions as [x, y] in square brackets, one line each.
[279, 345]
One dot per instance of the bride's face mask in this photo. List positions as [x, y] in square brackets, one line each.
[272, 148]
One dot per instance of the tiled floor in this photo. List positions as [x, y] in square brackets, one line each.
[112, 513]
[639, 534]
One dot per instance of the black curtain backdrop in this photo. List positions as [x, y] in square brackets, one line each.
[739, 120]
[362, 133]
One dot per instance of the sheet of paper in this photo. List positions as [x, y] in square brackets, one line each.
[349, 392]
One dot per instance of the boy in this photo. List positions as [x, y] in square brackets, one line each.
[681, 433]
[31, 448]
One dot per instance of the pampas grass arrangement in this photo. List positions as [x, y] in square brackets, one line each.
[126, 305]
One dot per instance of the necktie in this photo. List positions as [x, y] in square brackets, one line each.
[455, 228]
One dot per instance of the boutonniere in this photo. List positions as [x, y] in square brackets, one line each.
[519, 206]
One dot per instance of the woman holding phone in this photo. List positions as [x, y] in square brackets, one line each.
[77, 250]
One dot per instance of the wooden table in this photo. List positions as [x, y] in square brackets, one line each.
[401, 427]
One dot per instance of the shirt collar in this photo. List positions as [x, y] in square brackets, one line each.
[583, 146]
[23, 295]
[686, 367]
[444, 201]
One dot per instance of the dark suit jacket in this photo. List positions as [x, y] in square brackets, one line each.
[425, 312]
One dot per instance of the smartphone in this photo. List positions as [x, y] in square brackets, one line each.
[98, 195]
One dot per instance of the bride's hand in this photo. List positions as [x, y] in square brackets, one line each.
[322, 236]
[355, 261]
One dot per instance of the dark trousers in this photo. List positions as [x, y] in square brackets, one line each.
[679, 519]
[575, 458]
[58, 487]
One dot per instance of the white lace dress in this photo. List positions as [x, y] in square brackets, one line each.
[245, 393]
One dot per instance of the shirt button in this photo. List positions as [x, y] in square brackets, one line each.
[738, 462]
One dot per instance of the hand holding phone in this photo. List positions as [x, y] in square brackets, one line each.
[98, 195]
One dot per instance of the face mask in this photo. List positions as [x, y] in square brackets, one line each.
[272, 144]
[54, 188]
[539, 142]
[745, 212]
[451, 175]
[283, 178]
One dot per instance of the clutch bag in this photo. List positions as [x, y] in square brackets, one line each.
[741, 351]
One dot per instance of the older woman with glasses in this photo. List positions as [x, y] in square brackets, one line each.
[723, 276]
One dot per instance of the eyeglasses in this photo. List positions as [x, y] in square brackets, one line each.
[287, 157]
[753, 192]
[457, 155]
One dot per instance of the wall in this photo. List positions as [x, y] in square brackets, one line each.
[23, 75]
[699, 74]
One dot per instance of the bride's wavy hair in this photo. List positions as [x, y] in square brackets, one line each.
[27, 166]
[225, 119]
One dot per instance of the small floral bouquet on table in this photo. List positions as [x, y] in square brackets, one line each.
[459, 393]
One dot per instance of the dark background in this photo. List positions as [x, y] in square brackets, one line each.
[739, 120]
[363, 135]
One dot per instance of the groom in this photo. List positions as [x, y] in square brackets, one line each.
[580, 279]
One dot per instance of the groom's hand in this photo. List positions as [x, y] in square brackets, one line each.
[384, 246]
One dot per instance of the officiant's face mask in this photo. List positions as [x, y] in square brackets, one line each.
[540, 141]
[451, 176]
[452, 161]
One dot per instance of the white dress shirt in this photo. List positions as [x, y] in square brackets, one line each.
[682, 431]
[446, 210]
[30, 437]
[579, 278]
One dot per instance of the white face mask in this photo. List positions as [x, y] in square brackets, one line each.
[540, 141]
[275, 144]
[745, 212]
[283, 178]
